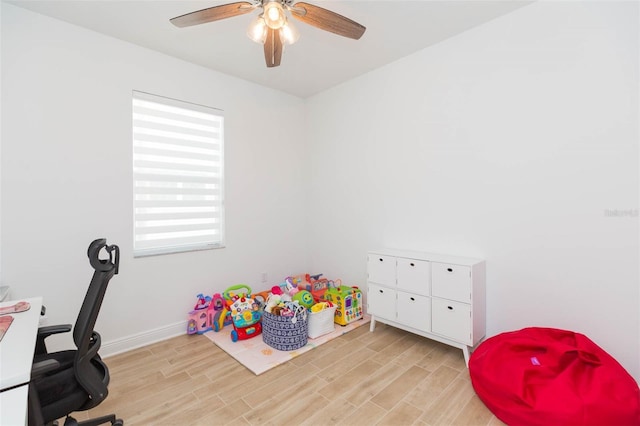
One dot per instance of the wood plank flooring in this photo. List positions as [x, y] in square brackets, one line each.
[388, 377]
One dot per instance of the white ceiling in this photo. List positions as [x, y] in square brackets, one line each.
[318, 60]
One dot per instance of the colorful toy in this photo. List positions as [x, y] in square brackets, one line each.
[273, 301]
[304, 298]
[320, 306]
[217, 302]
[303, 281]
[245, 313]
[294, 284]
[261, 298]
[192, 326]
[348, 301]
[318, 288]
[198, 318]
[218, 315]
[203, 301]
[285, 287]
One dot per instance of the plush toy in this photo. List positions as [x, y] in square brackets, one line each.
[304, 298]
[272, 301]
[321, 306]
[276, 300]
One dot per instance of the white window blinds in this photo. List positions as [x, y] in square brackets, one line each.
[178, 170]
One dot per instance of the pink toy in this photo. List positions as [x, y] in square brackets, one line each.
[203, 301]
[199, 320]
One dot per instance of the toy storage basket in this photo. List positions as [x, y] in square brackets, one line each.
[321, 323]
[285, 333]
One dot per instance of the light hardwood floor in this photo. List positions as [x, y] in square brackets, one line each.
[388, 377]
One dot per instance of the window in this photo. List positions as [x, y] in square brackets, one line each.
[178, 171]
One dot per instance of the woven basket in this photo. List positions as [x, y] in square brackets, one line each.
[321, 323]
[284, 334]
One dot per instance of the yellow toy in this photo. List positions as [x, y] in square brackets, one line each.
[348, 302]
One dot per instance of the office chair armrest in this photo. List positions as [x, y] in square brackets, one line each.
[42, 367]
[44, 332]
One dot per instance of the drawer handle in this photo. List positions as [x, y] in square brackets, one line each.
[381, 260]
[450, 308]
[412, 299]
[450, 269]
[412, 264]
[381, 291]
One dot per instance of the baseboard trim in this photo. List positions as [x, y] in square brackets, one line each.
[145, 338]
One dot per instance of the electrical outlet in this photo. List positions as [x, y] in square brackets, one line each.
[264, 277]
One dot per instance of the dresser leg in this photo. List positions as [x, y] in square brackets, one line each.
[372, 324]
[465, 352]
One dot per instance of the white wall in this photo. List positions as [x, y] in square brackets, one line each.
[66, 177]
[508, 142]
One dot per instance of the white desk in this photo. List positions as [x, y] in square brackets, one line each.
[16, 358]
[14, 405]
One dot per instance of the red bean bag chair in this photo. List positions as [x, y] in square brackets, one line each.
[546, 376]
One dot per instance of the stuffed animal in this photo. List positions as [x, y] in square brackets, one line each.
[304, 298]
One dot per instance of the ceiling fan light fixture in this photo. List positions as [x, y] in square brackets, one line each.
[289, 34]
[272, 28]
[257, 30]
[274, 15]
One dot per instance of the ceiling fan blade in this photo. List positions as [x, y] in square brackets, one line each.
[212, 14]
[273, 48]
[327, 20]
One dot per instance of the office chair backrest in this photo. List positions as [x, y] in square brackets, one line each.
[86, 339]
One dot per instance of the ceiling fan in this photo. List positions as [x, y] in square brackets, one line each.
[272, 28]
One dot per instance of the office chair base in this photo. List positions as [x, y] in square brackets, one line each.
[70, 421]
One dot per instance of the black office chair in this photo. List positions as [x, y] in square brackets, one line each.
[75, 380]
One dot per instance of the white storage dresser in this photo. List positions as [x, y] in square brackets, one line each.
[436, 296]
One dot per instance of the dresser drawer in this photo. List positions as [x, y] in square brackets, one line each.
[451, 282]
[382, 269]
[451, 319]
[381, 301]
[414, 311]
[414, 275]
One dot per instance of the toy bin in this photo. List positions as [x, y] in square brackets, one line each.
[321, 323]
[285, 333]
